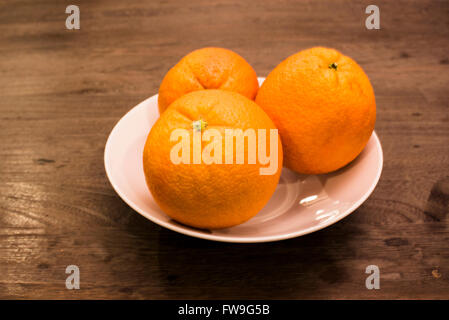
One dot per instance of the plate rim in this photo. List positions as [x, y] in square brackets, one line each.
[222, 238]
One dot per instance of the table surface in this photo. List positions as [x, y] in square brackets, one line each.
[62, 91]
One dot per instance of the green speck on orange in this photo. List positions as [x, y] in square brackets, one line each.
[333, 65]
[199, 125]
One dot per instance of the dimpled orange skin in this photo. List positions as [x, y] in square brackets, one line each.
[325, 116]
[208, 196]
[208, 68]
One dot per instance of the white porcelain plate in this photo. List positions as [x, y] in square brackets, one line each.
[301, 204]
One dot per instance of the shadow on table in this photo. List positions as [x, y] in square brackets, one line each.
[295, 268]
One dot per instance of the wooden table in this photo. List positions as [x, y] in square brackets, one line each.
[62, 91]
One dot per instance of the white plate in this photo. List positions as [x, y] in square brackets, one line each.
[301, 204]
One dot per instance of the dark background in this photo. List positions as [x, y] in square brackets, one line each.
[62, 91]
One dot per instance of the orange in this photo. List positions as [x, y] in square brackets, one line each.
[209, 195]
[324, 107]
[208, 68]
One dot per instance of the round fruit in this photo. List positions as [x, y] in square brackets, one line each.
[208, 68]
[324, 107]
[214, 195]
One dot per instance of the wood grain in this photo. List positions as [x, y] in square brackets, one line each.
[62, 91]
